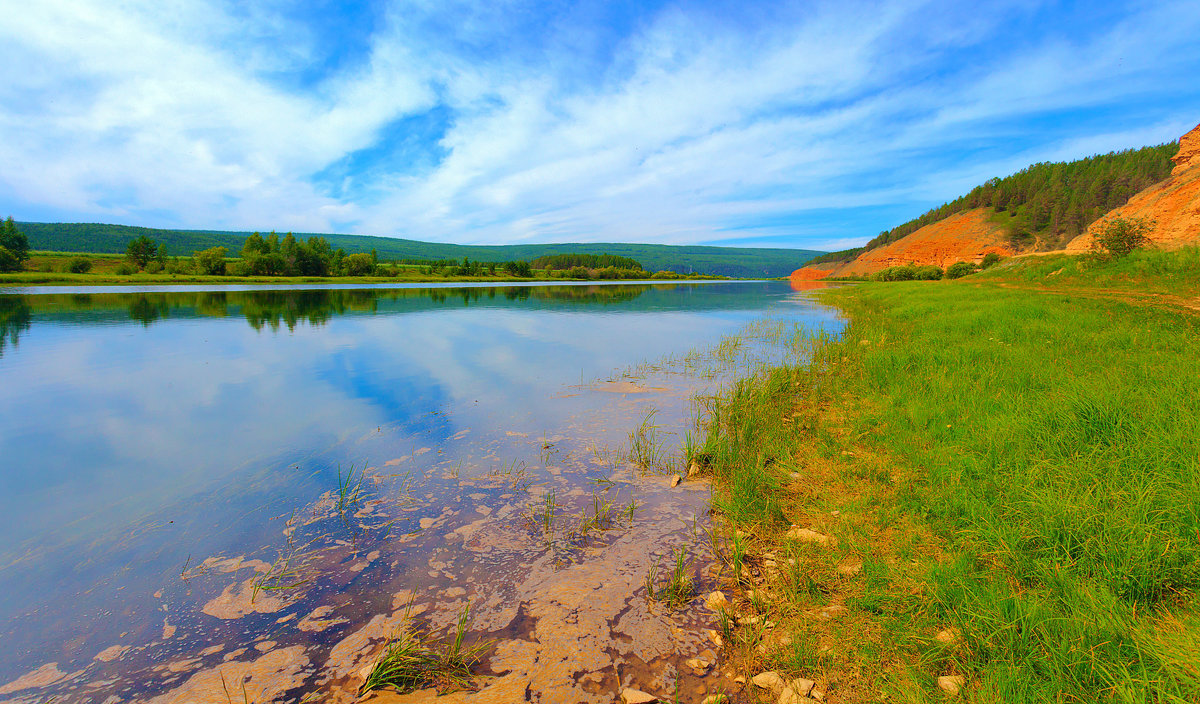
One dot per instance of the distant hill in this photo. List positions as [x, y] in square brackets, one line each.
[723, 261]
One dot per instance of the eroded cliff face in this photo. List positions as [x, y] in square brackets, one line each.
[1173, 205]
[1189, 151]
[963, 237]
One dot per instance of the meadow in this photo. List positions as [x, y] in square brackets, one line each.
[980, 489]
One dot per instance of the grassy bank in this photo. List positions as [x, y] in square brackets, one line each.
[1154, 270]
[986, 483]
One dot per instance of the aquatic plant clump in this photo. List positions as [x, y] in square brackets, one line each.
[678, 589]
[409, 663]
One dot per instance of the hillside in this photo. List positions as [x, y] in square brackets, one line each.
[1173, 205]
[1040, 208]
[723, 261]
[966, 236]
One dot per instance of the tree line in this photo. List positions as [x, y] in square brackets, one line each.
[587, 261]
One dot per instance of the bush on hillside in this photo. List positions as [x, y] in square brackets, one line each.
[929, 272]
[957, 270]
[1119, 236]
[79, 265]
[125, 269]
[990, 259]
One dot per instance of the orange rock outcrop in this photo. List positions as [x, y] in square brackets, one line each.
[1189, 151]
[1173, 205]
[963, 237]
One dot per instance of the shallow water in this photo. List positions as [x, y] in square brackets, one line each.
[205, 487]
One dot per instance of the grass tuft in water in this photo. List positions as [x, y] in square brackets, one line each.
[678, 589]
[409, 662]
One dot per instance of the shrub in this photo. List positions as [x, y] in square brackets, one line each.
[958, 270]
[155, 267]
[211, 261]
[929, 272]
[990, 259]
[79, 265]
[577, 272]
[1119, 236]
[358, 264]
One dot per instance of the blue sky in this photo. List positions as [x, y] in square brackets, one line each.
[813, 124]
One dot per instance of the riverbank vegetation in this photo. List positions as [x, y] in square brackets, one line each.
[979, 490]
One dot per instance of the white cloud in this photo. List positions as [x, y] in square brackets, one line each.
[693, 130]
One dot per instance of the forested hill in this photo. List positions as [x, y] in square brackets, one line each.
[724, 261]
[1048, 203]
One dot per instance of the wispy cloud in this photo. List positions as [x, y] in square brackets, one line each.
[514, 121]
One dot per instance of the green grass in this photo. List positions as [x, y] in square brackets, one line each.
[1022, 466]
[677, 590]
[1172, 271]
[409, 662]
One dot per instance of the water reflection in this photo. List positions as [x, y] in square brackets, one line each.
[142, 432]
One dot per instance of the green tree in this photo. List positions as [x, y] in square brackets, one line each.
[14, 241]
[211, 261]
[358, 264]
[9, 261]
[141, 251]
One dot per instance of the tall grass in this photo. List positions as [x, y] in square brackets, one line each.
[1051, 442]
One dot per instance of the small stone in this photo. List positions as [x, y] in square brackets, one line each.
[675, 479]
[740, 679]
[799, 689]
[770, 681]
[715, 699]
[716, 601]
[749, 620]
[849, 569]
[715, 638]
[948, 636]
[817, 694]
[805, 535]
[694, 470]
[951, 684]
[697, 664]
[636, 696]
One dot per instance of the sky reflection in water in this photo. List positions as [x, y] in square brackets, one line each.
[137, 429]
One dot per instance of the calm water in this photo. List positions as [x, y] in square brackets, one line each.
[155, 443]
